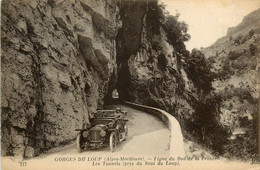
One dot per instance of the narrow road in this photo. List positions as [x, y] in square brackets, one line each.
[148, 136]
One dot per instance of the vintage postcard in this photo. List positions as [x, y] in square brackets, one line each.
[130, 84]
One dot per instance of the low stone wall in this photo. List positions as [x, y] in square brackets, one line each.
[176, 143]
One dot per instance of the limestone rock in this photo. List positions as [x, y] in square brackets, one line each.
[50, 85]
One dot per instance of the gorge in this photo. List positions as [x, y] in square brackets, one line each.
[61, 60]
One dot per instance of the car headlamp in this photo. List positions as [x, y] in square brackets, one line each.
[102, 133]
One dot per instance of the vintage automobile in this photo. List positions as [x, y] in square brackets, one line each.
[107, 127]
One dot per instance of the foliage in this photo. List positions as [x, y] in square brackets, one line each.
[205, 127]
[240, 39]
[155, 16]
[251, 33]
[198, 70]
[253, 49]
[176, 31]
[243, 39]
[207, 111]
[244, 146]
[232, 55]
[239, 67]
[241, 93]
[206, 124]
[237, 40]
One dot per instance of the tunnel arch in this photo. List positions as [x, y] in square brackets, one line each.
[115, 94]
[112, 97]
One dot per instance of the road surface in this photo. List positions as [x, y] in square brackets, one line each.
[147, 136]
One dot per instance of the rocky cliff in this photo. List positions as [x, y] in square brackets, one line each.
[150, 70]
[57, 60]
[61, 60]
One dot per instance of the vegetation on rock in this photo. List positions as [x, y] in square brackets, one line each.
[176, 31]
[198, 70]
[142, 54]
[235, 65]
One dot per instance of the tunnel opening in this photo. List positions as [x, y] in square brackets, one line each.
[112, 98]
[115, 94]
[128, 42]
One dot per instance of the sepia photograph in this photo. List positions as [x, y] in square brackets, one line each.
[130, 84]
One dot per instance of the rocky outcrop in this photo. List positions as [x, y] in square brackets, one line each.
[149, 68]
[150, 72]
[251, 21]
[57, 59]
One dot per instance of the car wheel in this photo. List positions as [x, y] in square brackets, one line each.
[78, 142]
[112, 141]
[126, 131]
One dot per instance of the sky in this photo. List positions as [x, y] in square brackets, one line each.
[209, 20]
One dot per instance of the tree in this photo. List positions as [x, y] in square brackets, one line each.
[206, 122]
[176, 32]
[198, 70]
[156, 16]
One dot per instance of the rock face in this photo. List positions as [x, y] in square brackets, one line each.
[235, 60]
[150, 70]
[61, 60]
[57, 59]
[251, 21]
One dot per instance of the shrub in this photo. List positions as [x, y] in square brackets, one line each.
[227, 70]
[155, 15]
[239, 66]
[252, 49]
[176, 32]
[245, 146]
[251, 33]
[243, 39]
[198, 70]
[244, 94]
[209, 131]
[232, 55]
[237, 40]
